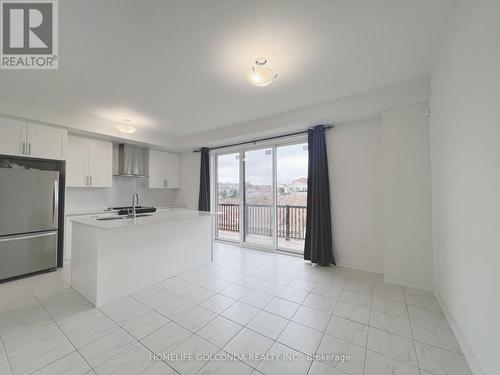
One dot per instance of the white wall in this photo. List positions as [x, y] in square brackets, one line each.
[354, 161]
[406, 202]
[381, 195]
[84, 199]
[465, 156]
[350, 108]
[190, 180]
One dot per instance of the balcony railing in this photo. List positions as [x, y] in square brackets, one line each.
[291, 220]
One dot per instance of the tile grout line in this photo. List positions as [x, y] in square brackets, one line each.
[368, 328]
[289, 320]
[128, 347]
[260, 310]
[411, 331]
[397, 334]
[327, 324]
[136, 340]
[102, 312]
[277, 296]
[191, 332]
[296, 276]
[6, 356]
[60, 329]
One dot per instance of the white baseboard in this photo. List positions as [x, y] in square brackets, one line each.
[462, 341]
[357, 268]
[406, 282]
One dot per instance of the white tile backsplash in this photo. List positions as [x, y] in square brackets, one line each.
[80, 199]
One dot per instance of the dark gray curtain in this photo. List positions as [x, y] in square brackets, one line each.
[318, 246]
[204, 197]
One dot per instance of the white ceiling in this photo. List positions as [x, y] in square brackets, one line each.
[177, 68]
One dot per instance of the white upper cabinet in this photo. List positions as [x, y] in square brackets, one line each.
[13, 137]
[20, 138]
[47, 142]
[156, 169]
[77, 162]
[172, 175]
[89, 163]
[100, 163]
[163, 170]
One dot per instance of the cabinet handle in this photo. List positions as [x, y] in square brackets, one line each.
[166, 183]
[90, 180]
[29, 148]
[24, 148]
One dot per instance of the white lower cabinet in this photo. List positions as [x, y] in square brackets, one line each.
[163, 170]
[68, 228]
[89, 163]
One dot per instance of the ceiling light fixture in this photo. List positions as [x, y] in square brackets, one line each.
[261, 74]
[126, 127]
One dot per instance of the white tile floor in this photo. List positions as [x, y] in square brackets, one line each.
[246, 304]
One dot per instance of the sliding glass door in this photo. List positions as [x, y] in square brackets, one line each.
[258, 199]
[261, 196]
[228, 197]
[291, 196]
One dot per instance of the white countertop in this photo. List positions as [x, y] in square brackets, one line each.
[155, 218]
[89, 211]
[92, 211]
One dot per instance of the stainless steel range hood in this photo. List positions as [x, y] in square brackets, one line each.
[129, 160]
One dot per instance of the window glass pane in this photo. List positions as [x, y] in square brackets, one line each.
[228, 197]
[291, 196]
[259, 197]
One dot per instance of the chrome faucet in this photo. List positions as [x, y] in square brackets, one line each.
[134, 203]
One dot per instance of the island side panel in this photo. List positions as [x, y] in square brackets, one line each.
[84, 242]
[135, 257]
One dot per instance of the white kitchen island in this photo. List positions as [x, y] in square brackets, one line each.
[113, 258]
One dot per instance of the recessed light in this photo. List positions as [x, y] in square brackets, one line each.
[126, 127]
[261, 74]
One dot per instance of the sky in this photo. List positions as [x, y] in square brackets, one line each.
[291, 164]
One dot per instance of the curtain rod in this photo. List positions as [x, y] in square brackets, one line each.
[263, 139]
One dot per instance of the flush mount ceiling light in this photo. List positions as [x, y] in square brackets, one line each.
[126, 127]
[261, 74]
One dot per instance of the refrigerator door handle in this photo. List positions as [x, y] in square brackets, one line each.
[17, 237]
[55, 212]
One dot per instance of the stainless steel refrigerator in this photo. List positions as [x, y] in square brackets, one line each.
[28, 221]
